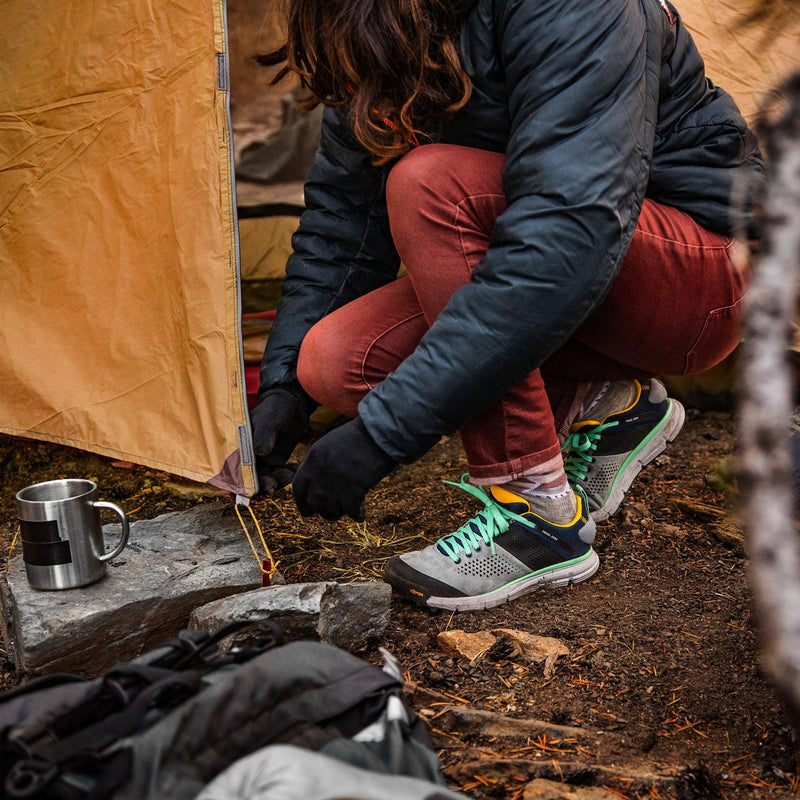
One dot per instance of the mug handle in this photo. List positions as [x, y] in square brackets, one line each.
[125, 529]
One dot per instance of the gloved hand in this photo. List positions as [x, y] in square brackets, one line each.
[278, 422]
[338, 471]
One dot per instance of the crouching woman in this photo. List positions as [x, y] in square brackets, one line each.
[557, 178]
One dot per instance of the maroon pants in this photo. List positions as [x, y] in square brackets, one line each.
[674, 308]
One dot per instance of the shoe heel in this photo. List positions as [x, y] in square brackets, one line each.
[658, 392]
[676, 420]
[588, 532]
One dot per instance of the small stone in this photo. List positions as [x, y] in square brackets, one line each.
[294, 608]
[465, 645]
[534, 649]
[542, 789]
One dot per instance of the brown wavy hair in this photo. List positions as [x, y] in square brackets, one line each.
[394, 63]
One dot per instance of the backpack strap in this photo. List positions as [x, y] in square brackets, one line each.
[208, 646]
[38, 684]
[111, 694]
[46, 758]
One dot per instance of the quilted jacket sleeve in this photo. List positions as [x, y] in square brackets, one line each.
[582, 93]
[700, 134]
[342, 249]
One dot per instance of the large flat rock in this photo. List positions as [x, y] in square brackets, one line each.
[172, 565]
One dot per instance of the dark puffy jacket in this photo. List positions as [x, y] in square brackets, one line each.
[596, 104]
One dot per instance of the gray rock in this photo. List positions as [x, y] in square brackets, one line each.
[295, 607]
[347, 615]
[353, 613]
[172, 564]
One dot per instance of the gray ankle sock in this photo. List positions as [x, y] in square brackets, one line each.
[554, 500]
[608, 398]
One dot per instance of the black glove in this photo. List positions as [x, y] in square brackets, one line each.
[338, 471]
[279, 422]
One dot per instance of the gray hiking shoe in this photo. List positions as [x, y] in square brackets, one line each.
[602, 457]
[504, 552]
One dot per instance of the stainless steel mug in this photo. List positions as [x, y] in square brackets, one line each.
[62, 538]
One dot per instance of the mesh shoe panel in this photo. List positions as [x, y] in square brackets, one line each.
[601, 476]
[498, 565]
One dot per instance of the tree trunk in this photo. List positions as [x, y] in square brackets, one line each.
[767, 393]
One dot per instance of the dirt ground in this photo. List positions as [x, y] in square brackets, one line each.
[662, 689]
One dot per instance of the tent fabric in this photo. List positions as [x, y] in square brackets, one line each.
[119, 290]
[747, 60]
[265, 244]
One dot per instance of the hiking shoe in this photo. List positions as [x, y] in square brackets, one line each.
[602, 457]
[502, 553]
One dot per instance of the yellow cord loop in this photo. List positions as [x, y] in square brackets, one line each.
[11, 549]
[266, 563]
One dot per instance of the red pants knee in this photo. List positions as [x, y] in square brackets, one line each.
[674, 307]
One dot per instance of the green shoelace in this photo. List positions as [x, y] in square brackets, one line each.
[579, 450]
[482, 529]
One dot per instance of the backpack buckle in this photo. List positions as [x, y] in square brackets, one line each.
[29, 777]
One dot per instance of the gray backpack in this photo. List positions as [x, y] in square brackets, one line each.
[168, 723]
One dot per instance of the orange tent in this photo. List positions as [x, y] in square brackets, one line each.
[118, 238]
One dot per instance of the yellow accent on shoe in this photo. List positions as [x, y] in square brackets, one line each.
[505, 497]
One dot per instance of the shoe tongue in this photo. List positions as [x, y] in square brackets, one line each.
[513, 502]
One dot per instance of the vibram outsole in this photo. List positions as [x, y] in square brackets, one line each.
[574, 572]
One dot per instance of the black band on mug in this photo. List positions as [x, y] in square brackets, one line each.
[41, 531]
[41, 544]
[46, 554]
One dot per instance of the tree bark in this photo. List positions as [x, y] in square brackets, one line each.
[766, 397]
